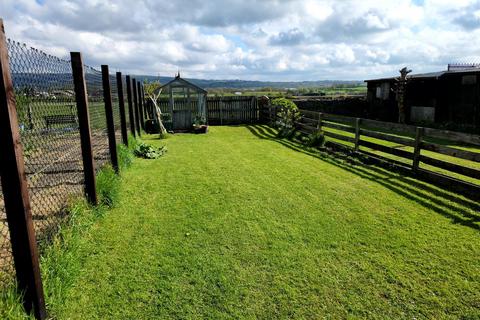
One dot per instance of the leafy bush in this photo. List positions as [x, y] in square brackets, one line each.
[286, 117]
[147, 151]
[315, 140]
[108, 186]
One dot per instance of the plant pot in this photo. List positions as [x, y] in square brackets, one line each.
[200, 129]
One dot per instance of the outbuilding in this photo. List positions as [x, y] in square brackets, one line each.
[187, 103]
[450, 97]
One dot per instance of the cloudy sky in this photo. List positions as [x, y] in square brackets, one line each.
[246, 39]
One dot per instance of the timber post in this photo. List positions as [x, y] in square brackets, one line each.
[84, 124]
[15, 192]
[107, 98]
[121, 106]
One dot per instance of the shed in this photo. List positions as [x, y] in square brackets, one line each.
[445, 97]
[187, 103]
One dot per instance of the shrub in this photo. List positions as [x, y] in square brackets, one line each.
[286, 117]
[315, 140]
[147, 151]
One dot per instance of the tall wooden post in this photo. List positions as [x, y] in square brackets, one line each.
[130, 106]
[84, 124]
[107, 98]
[15, 193]
[121, 106]
[135, 104]
[140, 105]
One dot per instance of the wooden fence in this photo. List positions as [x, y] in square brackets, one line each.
[220, 110]
[447, 158]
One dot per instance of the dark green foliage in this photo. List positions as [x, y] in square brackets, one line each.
[315, 140]
[147, 151]
[108, 186]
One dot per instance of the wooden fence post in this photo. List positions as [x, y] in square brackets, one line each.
[418, 147]
[270, 116]
[320, 119]
[221, 112]
[84, 124]
[130, 106]
[135, 104]
[140, 105]
[15, 193]
[357, 133]
[121, 106]
[107, 98]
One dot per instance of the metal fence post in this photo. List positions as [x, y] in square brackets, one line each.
[140, 105]
[121, 106]
[130, 106]
[15, 192]
[135, 104]
[107, 97]
[84, 123]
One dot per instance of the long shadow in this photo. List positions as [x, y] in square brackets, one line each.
[422, 193]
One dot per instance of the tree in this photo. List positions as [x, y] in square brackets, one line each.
[153, 91]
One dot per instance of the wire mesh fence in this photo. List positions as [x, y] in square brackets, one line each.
[98, 121]
[49, 127]
[7, 271]
[48, 123]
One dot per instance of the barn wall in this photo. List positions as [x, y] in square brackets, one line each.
[456, 101]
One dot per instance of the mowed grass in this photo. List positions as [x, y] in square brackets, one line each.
[236, 224]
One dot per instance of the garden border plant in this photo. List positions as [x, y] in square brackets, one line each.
[286, 119]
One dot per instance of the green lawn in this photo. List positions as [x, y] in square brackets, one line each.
[236, 224]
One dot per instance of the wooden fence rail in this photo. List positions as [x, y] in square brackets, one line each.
[404, 145]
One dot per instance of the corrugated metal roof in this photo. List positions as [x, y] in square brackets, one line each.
[429, 75]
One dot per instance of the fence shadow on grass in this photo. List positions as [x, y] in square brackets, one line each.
[454, 207]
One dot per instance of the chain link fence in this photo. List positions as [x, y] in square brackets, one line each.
[49, 127]
[98, 121]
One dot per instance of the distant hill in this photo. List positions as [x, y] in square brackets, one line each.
[58, 80]
[249, 84]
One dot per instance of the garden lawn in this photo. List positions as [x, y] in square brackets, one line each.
[236, 224]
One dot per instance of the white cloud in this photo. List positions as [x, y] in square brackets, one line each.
[270, 39]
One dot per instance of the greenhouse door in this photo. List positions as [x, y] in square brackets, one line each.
[182, 120]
